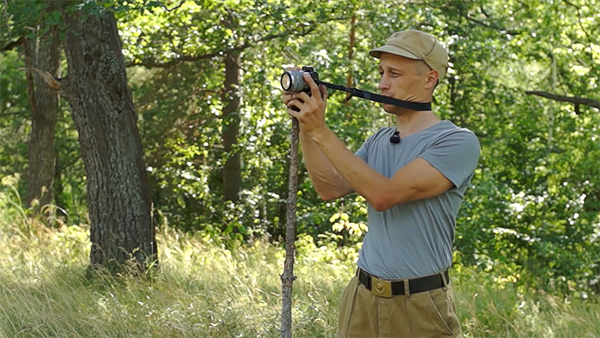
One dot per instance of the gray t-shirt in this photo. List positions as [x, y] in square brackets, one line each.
[414, 239]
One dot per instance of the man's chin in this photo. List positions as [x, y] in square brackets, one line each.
[393, 110]
[389, 108]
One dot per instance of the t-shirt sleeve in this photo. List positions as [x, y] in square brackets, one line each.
[455, 156]
[363, 151]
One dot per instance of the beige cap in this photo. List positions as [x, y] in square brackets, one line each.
[417, 45]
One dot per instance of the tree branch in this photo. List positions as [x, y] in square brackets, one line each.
[589, 39]
[47, 77]
[13, 44]
[172, 9]
[492, 26]
[578, 9]
[572, 99]
[187, 58]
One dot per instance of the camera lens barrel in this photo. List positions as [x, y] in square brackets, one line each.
[292, 81]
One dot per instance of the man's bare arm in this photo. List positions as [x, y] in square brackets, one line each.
[327, 180]
[416, 180]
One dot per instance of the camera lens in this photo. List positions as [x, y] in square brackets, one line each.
[286, 81]
[293, 81]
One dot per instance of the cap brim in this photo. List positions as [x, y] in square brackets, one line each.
[376, 53]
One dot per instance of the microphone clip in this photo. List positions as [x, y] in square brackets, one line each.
[395, 139]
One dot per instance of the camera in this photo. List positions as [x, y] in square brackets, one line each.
[292, 80]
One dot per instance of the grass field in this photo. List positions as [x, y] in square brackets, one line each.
[202, 289]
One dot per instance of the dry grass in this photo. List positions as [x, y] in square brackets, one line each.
[203, 289]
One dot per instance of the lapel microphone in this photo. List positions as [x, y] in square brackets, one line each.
[395, 139]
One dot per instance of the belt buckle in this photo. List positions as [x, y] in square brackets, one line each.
[381, 288]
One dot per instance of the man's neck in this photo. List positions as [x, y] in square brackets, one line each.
[414, 121]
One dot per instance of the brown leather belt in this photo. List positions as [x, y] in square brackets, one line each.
[386, 288]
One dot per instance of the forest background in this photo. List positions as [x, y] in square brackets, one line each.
[209, 142]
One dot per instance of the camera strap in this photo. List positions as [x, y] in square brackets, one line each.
[418, 106]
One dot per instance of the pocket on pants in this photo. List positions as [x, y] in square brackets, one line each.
[432, 315]
[444, 306]
[347, 306]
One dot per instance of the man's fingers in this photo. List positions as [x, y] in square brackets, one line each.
[287, 97]
[314, 89]
[298, 103]
[293, 113]
[324, 93]
[302, 96]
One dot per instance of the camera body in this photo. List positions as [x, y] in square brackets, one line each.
[293, 81]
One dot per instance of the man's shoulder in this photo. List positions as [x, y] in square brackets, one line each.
[449, 130]
[449, 125]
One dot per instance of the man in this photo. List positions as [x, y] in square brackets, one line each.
[414, 189]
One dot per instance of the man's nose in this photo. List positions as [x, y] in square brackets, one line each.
[383, 84]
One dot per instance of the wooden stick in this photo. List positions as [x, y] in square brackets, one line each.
[287, 278]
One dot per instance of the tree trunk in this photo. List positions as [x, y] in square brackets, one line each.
[231, 118]
[43, 122]
[117, 184]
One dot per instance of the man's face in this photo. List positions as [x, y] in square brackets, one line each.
[405, 79]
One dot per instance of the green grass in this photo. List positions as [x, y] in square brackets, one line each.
[202, 289]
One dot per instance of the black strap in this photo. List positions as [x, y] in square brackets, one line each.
[414, 285]
[418, 106]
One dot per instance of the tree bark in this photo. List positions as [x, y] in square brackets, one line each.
[287, 278]
[231, 119]
[43, 120]
[117, 183]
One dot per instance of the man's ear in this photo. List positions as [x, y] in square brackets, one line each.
[432, 79]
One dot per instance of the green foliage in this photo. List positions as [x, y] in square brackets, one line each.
[533, 209]
[14, 116]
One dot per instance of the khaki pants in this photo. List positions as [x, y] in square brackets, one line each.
[425, 314]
